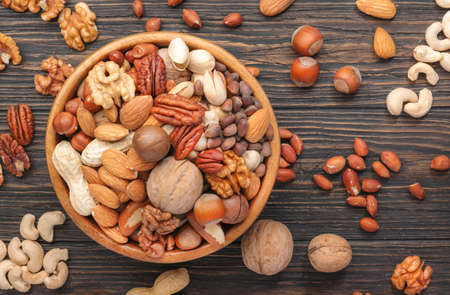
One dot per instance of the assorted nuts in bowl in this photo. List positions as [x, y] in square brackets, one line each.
[162, 147]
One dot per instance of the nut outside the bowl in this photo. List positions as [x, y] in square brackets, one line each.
[161, 39]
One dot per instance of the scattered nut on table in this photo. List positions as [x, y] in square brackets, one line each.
[427, 54]
[9, 51]
[397, 97]
[420, 67]
[329, 253]
[431, 36]
[422, 106]
[169, 282]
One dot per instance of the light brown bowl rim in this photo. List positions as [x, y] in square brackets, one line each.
[86, 224]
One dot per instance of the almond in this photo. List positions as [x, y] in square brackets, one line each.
[370, 185]
[369, 224]
[360, 147]
[136, 190]
[285, 175]
[274, 7]
[135, 112]
[233, 20]
[134, 162]
[130, 218]
[322, 182]
[257, 126]
[380, 169]
[152, 121]
[252, 190]
[334, 165]
[351, 182]
[356, 162]
[86, 121]
[297, 144]
[440, 163]
[114, 234]
[112, 114]
[383, 44]
[372, 205]
[417, 191]
[288, 153]
[110, 132]
[391, 160]
[384, 9]
[105, 216]
[114, 182]
[123, 197]
[91, 175]
[116, 163]
[357, 201]
[104, 195]
[191, 18]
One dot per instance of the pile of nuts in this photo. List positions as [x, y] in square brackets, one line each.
[147, 128]
[289, 153]
[26, 258]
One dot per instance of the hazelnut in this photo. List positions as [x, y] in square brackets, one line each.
[329, 253]
[117, 57]
[90, 105]
[151, 143]
[73, 105]
[347, 79]
[153, 24]
[307, 40]
[80, 140]
[267, 247]
[187, 238]
[305, 71]
[236, 209]
[209, 208]
[65, 123]
[212, 232]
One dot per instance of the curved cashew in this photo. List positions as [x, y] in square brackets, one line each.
[5, 267]
[3, 250]
[446, 24]
[27, 228]
[422, 107]
[36, 254]
[396, 98]
[52, 258]
[431, 36]
[420, 67]
[46, 223]
[15, 278]
[426, 54]
[33, 278]
[445, 61]
[15, 252]
[59, 278]
[443, 3]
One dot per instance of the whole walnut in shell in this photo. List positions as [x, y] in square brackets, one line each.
[267, 247]
[329, 253]
[174, 186]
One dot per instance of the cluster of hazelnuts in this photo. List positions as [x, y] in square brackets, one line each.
[307, 40]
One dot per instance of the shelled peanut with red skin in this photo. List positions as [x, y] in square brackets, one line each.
[289, 153]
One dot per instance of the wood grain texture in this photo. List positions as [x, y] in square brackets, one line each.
[326, 120]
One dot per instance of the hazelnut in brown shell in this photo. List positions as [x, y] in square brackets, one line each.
[151, 143]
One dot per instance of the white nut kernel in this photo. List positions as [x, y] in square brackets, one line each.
[185, 89]
[15, 278]
[168, 128]
[33, 278]
[201, 61]
[446, 24]
[422, 107]
[16, 253]
[420, 67]
[5, 267]
[27, 228]
[46, 223]
[425, 53]
[59, 278]
[445, 61]
[252, 159]
[443, 3]
[93, 152]
[210, 117]
[36, 254]
[396, 98]
[3, 250]
[178, 53]
[431, 36]
[52, 258]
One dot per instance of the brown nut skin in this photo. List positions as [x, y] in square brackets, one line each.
[369, 224]
[187, 238]
[347, 80]
[334, 165]
[209, 208]
[117, 57]
[417, 191]
[267, 247]
[329, 253]
[80, 141]
[391, 160]
[138, 8]
[360, 147]
[233, 20]
[304, 71]
[236, 209]
[191, 18]
[151, 143]
[153, 24]
[440, 163]
[65, 123]
[89, 104]
[73, 105]
[307, 40]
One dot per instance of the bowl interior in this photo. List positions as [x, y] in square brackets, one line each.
[68, 91]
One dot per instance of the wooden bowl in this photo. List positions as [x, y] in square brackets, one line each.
[68, 91]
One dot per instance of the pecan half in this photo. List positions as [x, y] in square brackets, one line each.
[13, 155]
[210, 161]
[20, 122]
[184, 139]
[150, 75]
[58, 71]
[177, 110]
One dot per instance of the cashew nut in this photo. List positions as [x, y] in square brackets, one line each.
[33, 278]
[396, 98]
[46, 223]
[443, 3]
[426, 54]
[36, 254]
[5, 267]
[446, 24]
[3, 250]
[27, 228]
[52, 258]
[431, 36]
[15, 252]
[422, 107]
[420, 67]
[15, 278]
[445, 61]
[59, 278]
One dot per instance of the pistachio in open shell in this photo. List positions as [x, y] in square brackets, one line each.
[185, 89]
[173, 73]
[214, 87]
[179, 54]
[201, 61]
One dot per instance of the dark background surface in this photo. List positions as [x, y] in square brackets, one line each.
[326, 120]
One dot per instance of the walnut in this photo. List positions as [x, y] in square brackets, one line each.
[108, 83]
[8, 51]
[58, 71]
[409, 274]
[78, 26]
[22, 5]
[13, 155]
[51, 8]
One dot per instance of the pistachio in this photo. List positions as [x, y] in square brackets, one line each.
[185, 89]
[211, 117]
[214, 87]
[201, 61]
[179, 54]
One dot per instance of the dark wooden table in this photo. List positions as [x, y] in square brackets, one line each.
[326, 120]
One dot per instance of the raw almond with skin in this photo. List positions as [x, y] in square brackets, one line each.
[91, 175]
[114, 182]
[112, 114]
[131, 218]
[104, 195]
[274, 7]
[357, 201]
[114, 234]
[322, 182]
[110, 132]
[356, 162]
[384, 9]
[383, 44]
[380, 169]
[257, 126]
[136, 163]
[351, 182]
[135, 112]
[372, 205]
[86, 121]
[105, 216]
[116, 163]
[391, 160]
[334, 165]
[136, 190]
